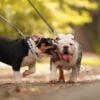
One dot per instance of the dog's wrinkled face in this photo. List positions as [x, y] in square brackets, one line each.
[67, 47]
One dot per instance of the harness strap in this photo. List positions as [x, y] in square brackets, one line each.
[32, 47]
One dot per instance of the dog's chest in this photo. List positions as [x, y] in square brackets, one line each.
[67, 65]
[28, 60]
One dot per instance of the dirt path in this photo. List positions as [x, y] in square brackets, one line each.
[36, 87]
[43, 91]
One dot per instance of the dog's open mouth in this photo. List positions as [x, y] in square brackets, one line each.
[66, 57]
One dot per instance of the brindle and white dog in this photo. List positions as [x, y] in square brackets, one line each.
[67, 56]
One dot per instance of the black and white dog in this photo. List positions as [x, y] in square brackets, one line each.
[67, 56]
[17, 53]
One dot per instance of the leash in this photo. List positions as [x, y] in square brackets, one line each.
[30, 42]
[11, 25]
[42, 17]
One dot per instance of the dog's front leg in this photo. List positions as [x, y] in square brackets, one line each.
[18, 80]
[31, 69]
[61, 75]
[74, 74]
[53, 73]
[17, 76]
[29, 61]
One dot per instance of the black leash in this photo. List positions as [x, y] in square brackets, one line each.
[42, 17]
[30, 42]
[11, 25]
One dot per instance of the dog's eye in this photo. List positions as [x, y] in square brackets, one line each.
[70, 44]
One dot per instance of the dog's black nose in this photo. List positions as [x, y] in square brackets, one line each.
[65, 47]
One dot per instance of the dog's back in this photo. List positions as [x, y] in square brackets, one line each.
[12, 50]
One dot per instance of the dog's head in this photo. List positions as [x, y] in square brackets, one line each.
[66, 46]
[45, 45]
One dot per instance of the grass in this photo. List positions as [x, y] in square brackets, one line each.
[91, 61]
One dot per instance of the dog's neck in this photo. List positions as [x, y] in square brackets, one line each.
[55, 54]
[32, 46]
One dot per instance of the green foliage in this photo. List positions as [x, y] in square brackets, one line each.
[91, 60]
[59, 15]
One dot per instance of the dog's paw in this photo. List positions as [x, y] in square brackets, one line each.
[26, 73]
[61, 81]
[72, 82]
[19, 89]
[57, 82]
[53, 81]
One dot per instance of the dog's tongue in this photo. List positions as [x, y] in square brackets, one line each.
[66, 57]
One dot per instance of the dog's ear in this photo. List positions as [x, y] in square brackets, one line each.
[35, 37]
[70, 36]
[62, 36]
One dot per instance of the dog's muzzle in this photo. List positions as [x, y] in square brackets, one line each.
[65, 55]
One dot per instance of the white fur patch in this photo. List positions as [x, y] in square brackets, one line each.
[17, 76]
[53, 73]
[68, 36]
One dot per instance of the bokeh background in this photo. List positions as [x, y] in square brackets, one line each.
[78, 17]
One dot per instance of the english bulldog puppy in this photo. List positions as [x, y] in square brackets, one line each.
[66, 56]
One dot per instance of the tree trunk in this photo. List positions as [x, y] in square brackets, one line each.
[89, 34]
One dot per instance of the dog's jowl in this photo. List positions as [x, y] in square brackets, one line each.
[17, 53]
[68, 56]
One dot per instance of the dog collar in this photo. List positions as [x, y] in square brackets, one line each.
[32, 47]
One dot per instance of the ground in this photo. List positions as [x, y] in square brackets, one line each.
[37, 86]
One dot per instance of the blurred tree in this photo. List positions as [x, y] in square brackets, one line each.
[89, 33]
[61, 14]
